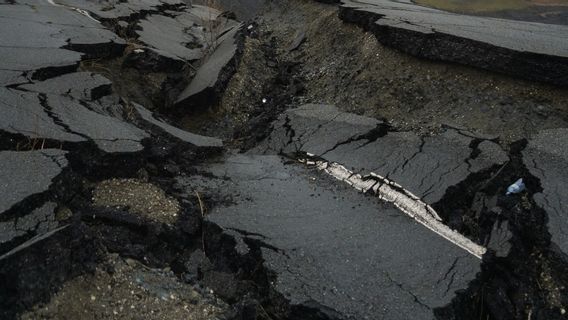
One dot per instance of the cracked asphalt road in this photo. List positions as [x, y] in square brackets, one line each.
[335, 247]
[440, 35]
[72, 134]
[339, 248]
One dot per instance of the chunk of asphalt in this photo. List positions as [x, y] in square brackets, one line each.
[546, 157]
[173, 38]
[32, 59]
[404, 200]
[500, 239]
[38, 222]
[426, 166]
[111, 10]
[22, 113]
[35, 35]
[62, 118]
[8, 77]
[79, 85]
[201, 88]
[194, 139]
[110, 134]
[299, 38]
[330, 244]
[531, 50]
[315, 127]
[27, 173]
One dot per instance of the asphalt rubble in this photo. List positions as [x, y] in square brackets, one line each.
[110, 210]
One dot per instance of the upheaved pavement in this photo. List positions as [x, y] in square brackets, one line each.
[531, 50]
[50, 111]
[335, 247]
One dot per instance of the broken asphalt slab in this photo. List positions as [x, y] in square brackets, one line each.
[181, 37]
[334, 247]
[79, 85]
[191, 138]
[546, 157]
[59, 117]
[37, 35]
[26, 173]
[426, 166]
[213, 73]
[530, 50]
[121, 10]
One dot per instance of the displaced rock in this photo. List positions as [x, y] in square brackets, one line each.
[27, 173]
[500, 239]
[148, 59]
[534, 51]
[299, 38]
[383, 265]
[546, 157]
[194, 139]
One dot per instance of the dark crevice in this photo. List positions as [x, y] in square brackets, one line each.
[255, 279]
[517, 285]
[371, 136]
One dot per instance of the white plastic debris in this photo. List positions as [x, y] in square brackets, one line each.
[516, 187]
[403, 199]
[250, 26]
[264, 100]
[138, 50]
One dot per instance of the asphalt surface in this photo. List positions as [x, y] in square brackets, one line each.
[546, 157]
[339, 248]
[27, 173]
[509, 46]
[51, 112]
[333, 246]
[199, 91]
[330, 246]
[426, 166]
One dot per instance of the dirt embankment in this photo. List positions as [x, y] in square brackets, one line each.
[338, 63]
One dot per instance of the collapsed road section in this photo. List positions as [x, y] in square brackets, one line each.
[83, 171]
[111, 209]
